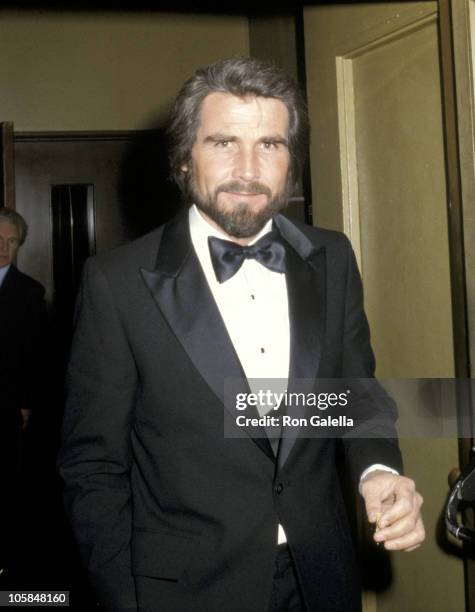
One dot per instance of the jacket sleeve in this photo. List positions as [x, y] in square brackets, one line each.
[95, 455]
[377, 441]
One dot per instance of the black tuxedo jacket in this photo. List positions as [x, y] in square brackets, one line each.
[170, 514]
[22, 329]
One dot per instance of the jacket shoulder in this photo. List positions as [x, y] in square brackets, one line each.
[306, 238]
[139, 253]
[24, 282]
[323, 237]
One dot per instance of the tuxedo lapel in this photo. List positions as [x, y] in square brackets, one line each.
[305, 277]
[181, 292]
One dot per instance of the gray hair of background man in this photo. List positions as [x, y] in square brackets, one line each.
[240, 77]
[10, 215]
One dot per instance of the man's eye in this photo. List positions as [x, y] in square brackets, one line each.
[269, 145]
[223, 144]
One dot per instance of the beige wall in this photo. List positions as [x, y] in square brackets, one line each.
[114, 71]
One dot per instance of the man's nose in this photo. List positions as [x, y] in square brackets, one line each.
[246, 165]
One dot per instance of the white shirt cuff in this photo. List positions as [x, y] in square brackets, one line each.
[376, 466]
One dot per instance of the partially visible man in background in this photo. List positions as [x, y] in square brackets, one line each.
[22, 325]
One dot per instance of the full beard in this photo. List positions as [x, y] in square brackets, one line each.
[242, 220]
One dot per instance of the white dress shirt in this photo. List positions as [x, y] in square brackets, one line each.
[253, 304]
[254, 307]
[3, 273]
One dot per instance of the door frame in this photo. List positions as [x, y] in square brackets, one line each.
[7, 169]
[456, 31]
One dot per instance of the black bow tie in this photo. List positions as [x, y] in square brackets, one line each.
[227, 257]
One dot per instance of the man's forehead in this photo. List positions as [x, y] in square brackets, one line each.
[253, 111]
[8, 228]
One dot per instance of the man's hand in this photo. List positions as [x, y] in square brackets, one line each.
[393, 503]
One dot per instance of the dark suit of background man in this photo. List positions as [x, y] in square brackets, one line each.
[22, 325]
[171, 515]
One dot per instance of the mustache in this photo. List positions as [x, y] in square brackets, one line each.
[253, 188]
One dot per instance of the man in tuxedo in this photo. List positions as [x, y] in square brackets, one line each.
[22, 325]
[170, 513]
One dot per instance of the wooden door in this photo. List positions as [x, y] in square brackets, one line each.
[378, 173]
[7, 169]
[126, 171]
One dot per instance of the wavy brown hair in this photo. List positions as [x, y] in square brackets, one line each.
[240, 77]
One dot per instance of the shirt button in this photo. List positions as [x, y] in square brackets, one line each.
[278, 488]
